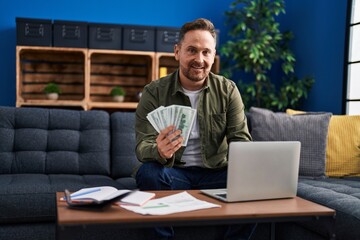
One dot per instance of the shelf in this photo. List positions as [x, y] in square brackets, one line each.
[86, 76]
[115, 105]
[131, 70]
[37, 67]
[53, 103]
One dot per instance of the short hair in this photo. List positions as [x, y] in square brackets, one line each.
[198, 24]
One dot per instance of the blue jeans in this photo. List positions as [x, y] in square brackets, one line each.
[154, 176]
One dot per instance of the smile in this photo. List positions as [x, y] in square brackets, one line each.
[195, 67]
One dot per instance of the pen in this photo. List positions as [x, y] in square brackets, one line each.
[156, 206]
[85, 192]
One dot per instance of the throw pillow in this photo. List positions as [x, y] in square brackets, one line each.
[343, 146]
[311, 129]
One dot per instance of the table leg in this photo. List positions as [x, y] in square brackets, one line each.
[272, 231]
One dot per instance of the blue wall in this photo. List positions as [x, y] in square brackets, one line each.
[319, 38]
[318, 25]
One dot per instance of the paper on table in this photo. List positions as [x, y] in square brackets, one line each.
[180, 202]
[136, 198]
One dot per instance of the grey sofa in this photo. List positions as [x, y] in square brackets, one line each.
[43, 151]
[339, 193]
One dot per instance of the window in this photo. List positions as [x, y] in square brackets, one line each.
[352, 82]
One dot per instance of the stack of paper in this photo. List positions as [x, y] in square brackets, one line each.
[136, 198]
[180, 202]
[182, 117]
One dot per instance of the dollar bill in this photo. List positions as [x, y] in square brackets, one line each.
[182, 117]
[186, 121]
[154, 119]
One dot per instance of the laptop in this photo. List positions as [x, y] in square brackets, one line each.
[260, 171]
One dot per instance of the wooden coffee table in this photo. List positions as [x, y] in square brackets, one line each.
[272, 211]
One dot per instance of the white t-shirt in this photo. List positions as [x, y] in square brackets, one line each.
[192, 153]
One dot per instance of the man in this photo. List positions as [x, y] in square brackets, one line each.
[220, 119]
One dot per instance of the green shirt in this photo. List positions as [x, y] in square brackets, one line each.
[220, 115]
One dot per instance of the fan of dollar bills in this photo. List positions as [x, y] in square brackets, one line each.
[182, 117]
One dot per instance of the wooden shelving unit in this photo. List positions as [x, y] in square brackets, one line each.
[131, 70]
[86, 76]
[37, 66]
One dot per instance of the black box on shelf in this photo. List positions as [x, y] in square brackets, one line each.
[70, 34]
[33, 32]
[105, 36]
[139, 38]
[166, 38]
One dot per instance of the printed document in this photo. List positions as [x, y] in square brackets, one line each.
[180, 202]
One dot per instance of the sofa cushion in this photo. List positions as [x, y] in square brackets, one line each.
[342, 195]
[38, 231]
[124, 161]
[342, 151]
[27, 198]
[49, 141]
[310, 129]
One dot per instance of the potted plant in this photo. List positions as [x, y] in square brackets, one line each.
[52, 91]
[118, 94]
[257, 46]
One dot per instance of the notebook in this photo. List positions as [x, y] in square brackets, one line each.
[259, 171]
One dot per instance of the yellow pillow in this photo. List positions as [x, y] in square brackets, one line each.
[343, 145]
[292, 111]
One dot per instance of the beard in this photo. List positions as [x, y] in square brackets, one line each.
[196, 72]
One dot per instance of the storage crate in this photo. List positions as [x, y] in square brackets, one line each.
[37, 68]
[105, 36]
[166, 38]
[131, 72]
[70, 34]
[33, 32]
[139, 38]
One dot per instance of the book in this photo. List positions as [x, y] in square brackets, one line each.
[106, 194]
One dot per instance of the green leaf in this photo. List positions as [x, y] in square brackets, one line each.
[256, 46]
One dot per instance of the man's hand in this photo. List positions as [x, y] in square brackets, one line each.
[169, 141]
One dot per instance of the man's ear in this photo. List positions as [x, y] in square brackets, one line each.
[176, 51]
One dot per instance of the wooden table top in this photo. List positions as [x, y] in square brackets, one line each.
[252, 210]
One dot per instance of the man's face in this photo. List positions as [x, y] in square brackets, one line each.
[196, 55]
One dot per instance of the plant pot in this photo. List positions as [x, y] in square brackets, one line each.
[118, 98]
[52, 96]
